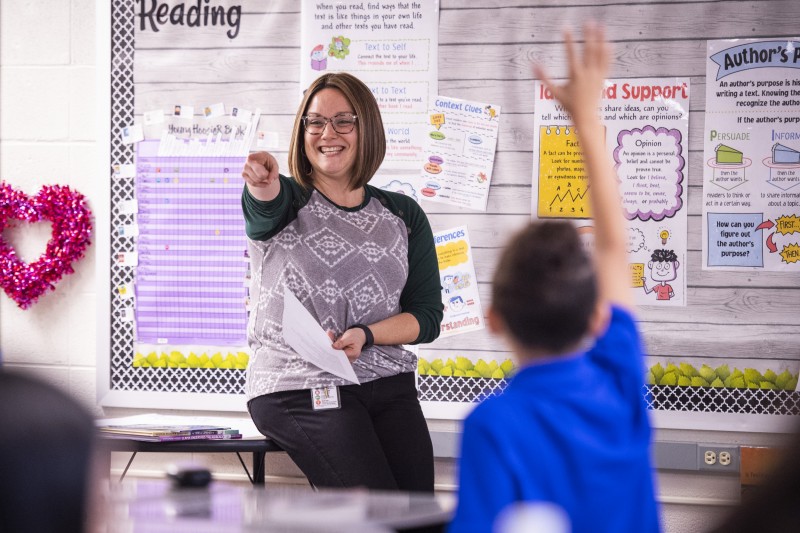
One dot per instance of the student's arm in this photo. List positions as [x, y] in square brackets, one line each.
[580, 95]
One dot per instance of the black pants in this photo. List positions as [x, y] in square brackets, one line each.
[378, 438]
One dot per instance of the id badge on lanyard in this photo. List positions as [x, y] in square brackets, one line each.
[325, 398]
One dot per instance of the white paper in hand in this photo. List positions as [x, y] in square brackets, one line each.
[306, 337]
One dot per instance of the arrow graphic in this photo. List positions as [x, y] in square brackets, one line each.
[766, 225]
[771, 245]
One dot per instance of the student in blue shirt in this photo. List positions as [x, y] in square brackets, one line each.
[571, 429]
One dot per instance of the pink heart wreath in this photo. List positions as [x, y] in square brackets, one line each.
[72, 225]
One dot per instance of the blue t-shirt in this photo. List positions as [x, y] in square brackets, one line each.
[573, 431]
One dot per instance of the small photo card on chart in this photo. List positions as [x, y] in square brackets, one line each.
[128, 207]
[127, 170]
[242, 115]
[128, 259]
[126, 291]
[267, 140]
[183, 111]
[214, 110]
[132, 134]
[128, 230]
[153, 117]
[127, 315]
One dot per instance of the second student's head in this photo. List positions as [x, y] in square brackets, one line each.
[544, 292]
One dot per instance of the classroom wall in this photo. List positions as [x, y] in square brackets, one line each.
[48, 132]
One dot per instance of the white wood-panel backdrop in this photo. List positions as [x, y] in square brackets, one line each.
[485, 52]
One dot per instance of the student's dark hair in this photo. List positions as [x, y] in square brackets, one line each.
[544, 288]
[369, 127]
[667, 256]
[46, 447]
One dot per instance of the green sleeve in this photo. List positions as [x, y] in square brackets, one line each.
[265, 219]
[422, 295]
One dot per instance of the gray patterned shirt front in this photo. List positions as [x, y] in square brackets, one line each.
[346, 266]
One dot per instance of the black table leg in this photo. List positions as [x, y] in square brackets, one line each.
[259, 468]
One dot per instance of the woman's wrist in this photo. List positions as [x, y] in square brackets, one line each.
[367, 333]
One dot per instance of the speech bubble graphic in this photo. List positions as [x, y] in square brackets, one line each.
[635, 240]
[432, 168]
[791, 253]
[452, 254]
[401, 187]
[733, 241]
[437, 119]
[787, 224]
[650, 164]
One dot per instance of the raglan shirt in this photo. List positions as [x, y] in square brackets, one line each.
[346, 266]
[573, 431]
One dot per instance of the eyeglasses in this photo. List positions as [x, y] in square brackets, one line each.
[341, 123]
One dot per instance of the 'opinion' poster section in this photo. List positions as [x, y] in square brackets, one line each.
[751, 163]
[646, 122]
[392, 47]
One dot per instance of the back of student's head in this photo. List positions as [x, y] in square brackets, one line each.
[46, 444]
[544, 288]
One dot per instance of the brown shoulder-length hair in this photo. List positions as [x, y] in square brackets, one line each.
[369, 127]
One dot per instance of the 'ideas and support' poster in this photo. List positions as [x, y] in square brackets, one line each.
[646, 123]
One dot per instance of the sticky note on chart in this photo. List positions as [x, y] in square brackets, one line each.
[562, 177]
[637, 274]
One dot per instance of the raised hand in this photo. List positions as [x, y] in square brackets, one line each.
[581, 93]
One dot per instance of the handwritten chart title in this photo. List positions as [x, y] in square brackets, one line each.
[157, 14]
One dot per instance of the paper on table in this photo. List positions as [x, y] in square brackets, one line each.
[302, 332]
[246, 426]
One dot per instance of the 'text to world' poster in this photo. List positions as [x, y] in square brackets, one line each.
[751, 163]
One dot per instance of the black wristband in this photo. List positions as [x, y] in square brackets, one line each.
[367, 333]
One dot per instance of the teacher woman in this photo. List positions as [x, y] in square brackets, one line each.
[363, 262]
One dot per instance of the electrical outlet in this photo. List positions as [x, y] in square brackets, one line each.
[718, 457]
[710, 458]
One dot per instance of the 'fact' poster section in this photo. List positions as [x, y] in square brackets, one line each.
[751, 163]
[646, 122]
[462, 304]
[459, 152]
[392, 46]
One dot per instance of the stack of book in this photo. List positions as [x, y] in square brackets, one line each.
[168, 433]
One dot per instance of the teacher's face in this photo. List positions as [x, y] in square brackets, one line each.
[332, 154]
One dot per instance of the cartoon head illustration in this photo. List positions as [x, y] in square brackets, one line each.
[663, 267]
[339, 47]
[491, 111]
[456, 303]
[319, 61]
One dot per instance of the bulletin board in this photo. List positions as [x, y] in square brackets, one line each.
[740, 319]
